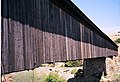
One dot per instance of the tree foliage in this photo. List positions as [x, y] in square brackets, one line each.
[117, 41]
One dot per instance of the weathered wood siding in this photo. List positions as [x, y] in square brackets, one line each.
[39, 31]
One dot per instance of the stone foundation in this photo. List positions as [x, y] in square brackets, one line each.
[92, 71]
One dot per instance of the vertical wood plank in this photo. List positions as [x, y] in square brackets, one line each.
[5, 45]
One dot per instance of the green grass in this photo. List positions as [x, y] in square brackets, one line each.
[76, 63]
[54, 77]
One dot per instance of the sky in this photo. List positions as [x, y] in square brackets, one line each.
[103, 13]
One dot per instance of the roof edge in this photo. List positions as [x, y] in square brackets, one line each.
[72, 9]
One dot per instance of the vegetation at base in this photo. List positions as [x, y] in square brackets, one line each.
[116, 77]
[74, 71]
[25, 77]
[47, 65]
[54, 77]
[30, 77]
[117, 41]
[76, 63]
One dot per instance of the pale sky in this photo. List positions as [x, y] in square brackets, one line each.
[103, 13]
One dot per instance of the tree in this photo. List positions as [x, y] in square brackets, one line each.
[117, 41]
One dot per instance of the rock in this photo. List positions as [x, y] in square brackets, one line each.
[59, 64]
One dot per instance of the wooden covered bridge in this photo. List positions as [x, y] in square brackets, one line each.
[42, 31]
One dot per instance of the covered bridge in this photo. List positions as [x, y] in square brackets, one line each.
[42, 31]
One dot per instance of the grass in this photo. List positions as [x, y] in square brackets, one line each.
[25, 77]
[54, 77]
[116, 76]
[74, 71]
[76, 63]
[32, 76]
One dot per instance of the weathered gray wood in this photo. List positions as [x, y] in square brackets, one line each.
[5, 45]
[19, 64]
[42, 31]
